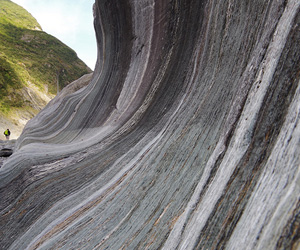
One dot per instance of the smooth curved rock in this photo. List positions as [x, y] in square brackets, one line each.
[187, 136]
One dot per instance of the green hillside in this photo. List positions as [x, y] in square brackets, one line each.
[32, 62]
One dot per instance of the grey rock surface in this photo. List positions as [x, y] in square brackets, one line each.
[187, 136]
[6, 149]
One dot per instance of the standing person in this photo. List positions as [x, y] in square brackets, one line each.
[7, 134]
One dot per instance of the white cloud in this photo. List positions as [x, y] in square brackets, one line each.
[69, 21]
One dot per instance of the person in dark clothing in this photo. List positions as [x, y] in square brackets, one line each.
[7, 134]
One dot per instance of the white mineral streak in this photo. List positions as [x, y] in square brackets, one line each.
[142, 14]
[266, 212]
[186, 137]
[93, 195]
[125, 173]
[240, 143]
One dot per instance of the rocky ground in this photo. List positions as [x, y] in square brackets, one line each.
[18, 118]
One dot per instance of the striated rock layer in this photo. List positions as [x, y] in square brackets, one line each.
[187, 136]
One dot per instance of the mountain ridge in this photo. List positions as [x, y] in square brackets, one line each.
[34, 66]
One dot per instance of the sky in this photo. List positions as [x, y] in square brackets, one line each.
[71, 21]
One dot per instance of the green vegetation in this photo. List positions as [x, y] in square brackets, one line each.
[13, 14]
[29, 56]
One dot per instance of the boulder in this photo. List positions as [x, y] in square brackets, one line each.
[186, 137]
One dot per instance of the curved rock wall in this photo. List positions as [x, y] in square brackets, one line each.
[187, 136]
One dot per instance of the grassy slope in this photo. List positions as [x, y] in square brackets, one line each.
[30, 61]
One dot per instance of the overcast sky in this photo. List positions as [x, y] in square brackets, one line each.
[71, 21]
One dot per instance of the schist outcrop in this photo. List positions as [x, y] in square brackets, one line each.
[186, 137]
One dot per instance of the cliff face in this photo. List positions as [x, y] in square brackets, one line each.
[187, 136]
